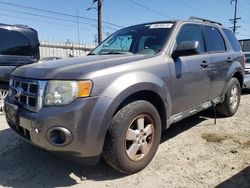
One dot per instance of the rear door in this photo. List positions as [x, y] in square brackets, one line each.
[191, 74]
[221, 59]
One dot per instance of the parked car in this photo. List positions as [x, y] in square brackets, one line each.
[19, 46]
[245, 45]
[247, 71]
[117, 101]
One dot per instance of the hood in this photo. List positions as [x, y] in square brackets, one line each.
[73, 68]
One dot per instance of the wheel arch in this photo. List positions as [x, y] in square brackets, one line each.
[151, 97]
[238, 75]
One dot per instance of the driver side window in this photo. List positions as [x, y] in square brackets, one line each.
[191, 33]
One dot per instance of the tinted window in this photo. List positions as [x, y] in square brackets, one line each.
[214, 40]
[191, 33]
[14, 43]
[232, 39]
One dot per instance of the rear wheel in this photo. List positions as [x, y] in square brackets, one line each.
[133, 137]
[3, 94]
[232, 99]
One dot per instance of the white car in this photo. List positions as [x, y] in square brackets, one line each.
[247, 71]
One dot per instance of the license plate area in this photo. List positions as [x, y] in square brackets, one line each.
[13, 120]
[11, 112]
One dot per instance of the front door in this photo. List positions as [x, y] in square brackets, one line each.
[191, 74]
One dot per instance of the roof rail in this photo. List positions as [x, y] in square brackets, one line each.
[20, 25]
[204, 20]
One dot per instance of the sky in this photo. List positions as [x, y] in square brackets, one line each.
[57, 20]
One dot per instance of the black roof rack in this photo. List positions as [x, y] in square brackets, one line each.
[21, 25]
[204, 20]
[14, 25]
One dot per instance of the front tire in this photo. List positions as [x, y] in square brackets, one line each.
[232, 99]
[133, 137]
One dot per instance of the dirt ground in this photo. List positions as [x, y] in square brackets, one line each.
[193, 153]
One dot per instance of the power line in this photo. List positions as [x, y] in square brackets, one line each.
[42, 16]
[55, 18]
[52, 23]
[200, 7]
[58, 13]
[150, 9]
[19, 17]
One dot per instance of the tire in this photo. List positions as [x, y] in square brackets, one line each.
[133, 137]
[232, 99]
[3, 94]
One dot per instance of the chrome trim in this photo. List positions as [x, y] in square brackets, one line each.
[180, 116]
[28, 98]
[41, 92]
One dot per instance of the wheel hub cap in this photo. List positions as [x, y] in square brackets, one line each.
[139, 137]
[234, 97]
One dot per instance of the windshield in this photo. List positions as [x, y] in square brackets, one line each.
[140, 39]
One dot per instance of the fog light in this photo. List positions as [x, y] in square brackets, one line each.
[59, 136]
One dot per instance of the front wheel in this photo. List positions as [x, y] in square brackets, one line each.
[232, 99]
[133, 137]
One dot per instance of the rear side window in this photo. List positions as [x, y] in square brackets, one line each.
[232, 39]
[191, 33]
[14, 43]
[214, 40]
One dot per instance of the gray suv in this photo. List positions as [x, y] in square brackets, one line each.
[117, 101]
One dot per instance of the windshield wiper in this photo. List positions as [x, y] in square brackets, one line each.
[114, 53]
[92, 54]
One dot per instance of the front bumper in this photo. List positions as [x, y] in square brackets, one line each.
[86, 119]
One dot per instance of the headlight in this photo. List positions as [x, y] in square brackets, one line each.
[64, 92]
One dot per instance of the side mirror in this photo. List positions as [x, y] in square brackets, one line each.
[186, 48]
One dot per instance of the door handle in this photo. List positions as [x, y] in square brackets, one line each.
[229, 60]
[204, 64]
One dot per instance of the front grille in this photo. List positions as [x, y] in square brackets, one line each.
[28, 93]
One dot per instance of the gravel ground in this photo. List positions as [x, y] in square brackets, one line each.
[193, 153]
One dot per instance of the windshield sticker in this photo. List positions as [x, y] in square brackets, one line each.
[160, 26]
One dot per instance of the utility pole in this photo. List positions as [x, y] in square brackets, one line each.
[77, 21]
[235, 19]
[99, 10]
[99, 13]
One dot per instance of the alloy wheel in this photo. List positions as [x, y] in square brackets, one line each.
[3, 95]
[234, 97]
[140, 137]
